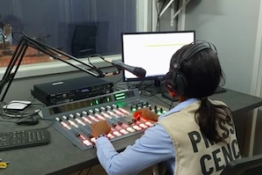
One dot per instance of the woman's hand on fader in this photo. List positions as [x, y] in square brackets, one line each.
[100, 128]
[146, 114]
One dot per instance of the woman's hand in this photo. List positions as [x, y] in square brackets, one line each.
[146, 114]
[100, 128]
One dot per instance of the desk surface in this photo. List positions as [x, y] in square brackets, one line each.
[62, 157]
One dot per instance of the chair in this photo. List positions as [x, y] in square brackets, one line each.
[84, 40]
[245, 166]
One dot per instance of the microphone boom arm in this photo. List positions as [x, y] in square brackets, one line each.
[20, 51]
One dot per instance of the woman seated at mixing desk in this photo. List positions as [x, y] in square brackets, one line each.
[197, 136]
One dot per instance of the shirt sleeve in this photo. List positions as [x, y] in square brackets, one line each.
[153, 147]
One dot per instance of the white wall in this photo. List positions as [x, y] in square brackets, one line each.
[232, 26]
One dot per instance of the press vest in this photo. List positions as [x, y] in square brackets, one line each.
[194, 153]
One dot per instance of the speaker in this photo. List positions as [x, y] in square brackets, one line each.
[175, 80]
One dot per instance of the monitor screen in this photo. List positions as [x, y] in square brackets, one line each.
[152, 51]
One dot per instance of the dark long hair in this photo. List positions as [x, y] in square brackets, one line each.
[204, 74]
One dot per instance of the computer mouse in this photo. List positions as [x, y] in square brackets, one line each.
[28, 121]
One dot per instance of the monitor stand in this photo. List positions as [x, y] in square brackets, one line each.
[155, 88]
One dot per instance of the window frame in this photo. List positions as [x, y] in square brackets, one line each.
[41, 69]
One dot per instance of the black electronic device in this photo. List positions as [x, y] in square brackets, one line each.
[137, 71]
[152, 51]
[26, 121]
[23, 139]
[68, 90]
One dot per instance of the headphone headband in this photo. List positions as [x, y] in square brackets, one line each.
[175, 79]
[196, 47]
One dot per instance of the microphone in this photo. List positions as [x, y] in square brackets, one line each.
[137, 71]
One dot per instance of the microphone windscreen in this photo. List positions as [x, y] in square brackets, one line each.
[140, 72]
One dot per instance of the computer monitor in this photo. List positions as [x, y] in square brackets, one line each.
[152, 51]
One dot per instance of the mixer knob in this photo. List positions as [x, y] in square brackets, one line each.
[161, 110]
[150, 108]
[71, 115]
[156, 110]
[103, 109]
[131, 108]
[58, 119]
[155, 107]
[147, 103]
[97, 110]
[117, 107]
[65, 117]
[108, 107]
[91, 111]
[114, 106]
[84, 113]
[78, 114]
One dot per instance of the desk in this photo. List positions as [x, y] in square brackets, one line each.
[61, 157]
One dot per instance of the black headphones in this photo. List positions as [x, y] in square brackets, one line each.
[175, 80]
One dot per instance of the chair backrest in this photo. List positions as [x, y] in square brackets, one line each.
[245, 166]
[84, 40]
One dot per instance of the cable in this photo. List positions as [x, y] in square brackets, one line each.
[94, 56]
[162, 100]
[118, 80]
[87, 173]
[51, 122]
[171, 104]
[16, 114]
[80, 172]
[7, 121]
[153, 91]
[14, 36]
[119, 88]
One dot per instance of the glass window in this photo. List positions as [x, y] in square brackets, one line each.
[78, 27]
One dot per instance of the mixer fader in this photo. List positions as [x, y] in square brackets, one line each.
[73, 120]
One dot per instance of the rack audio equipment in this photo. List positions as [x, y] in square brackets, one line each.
[74, 119]
[68, 90]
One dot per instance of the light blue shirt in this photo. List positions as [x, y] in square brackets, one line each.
[153, 147]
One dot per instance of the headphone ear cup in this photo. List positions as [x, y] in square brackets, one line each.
[176, 82]
[181, 83]
[169, 81]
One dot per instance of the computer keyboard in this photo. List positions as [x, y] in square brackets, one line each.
[23, 139]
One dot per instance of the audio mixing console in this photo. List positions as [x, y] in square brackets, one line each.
[74, 119]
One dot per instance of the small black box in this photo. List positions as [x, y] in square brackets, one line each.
[68, 90]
